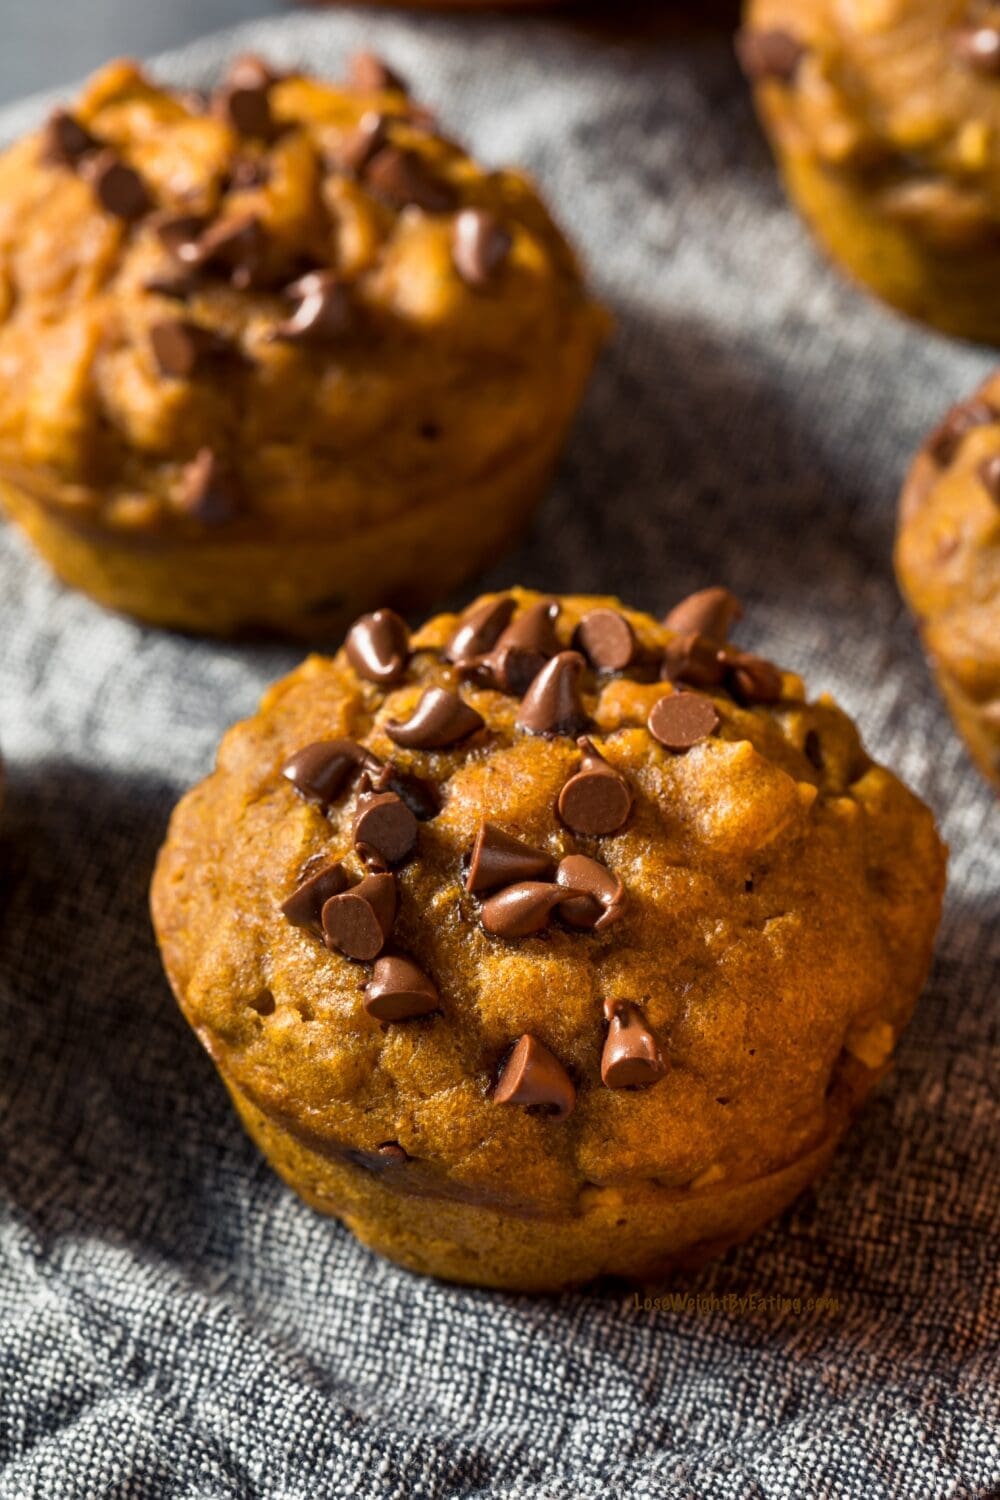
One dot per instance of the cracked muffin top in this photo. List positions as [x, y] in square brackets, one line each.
[907, 96]
[282, 300]
[546, 895]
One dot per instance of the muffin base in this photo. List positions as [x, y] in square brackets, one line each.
[309, 586]
[957, 292]
[639, 1232]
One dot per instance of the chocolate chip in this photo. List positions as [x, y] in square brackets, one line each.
[946, 439]
[324, 312]
[552, 704]
[521, 650]
[711, 613]
[597, 800]
[251, 71]
[183, 349]
[180, 234]
[65, 142]
[319, 772]
[773, 54]
[359, 145]
[421, 796]
[384, 825]
[989, 475]
[630, 1059]
[402, 177]
[392, 1153]
[238, 246]
[596, 897]
[694, 660]
[378, 646]
[304, 907]
[979, 48]
[246, 107]
[750, 678]
[534, 1078]
[209, 491]
[441, 718]
[399, 990]
[358, 922]
[369, 74]
[606, 639]
[680, 720]
[499, 859]
[118, 187]
[521, 909]
[479, 629]
[479, 246]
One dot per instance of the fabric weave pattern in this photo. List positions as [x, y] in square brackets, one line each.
[173, 1322]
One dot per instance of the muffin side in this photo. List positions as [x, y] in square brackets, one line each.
[884, 120]
[948, 564]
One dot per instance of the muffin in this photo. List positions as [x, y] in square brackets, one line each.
[885, 119]
[948, 565]
[550, 941]
[276, 355]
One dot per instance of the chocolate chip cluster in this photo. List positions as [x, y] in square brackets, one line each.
[520, 890]
[233, 246]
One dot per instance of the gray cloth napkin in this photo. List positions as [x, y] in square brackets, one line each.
[173, 1322]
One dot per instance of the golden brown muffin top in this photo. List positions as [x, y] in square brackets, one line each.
[948, 544]
[273, 306]
[905, 95]
[545, 896]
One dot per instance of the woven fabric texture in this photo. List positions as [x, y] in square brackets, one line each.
[173, 1322]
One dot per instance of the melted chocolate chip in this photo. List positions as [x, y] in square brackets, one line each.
[597, 800]
[593, 897]
[606, 639]
[769, 55]
[402, 177]
[711, 613]
[520, 910]
[694, 660]
[369, 74]
[498, 859]
[183, 349]
[552, 704]
[118, 187]
[246, 106]
[479, 629]
[479, 246]
[630, 1059]
[384, 826]
[378, 646]
[304, 907]
[360, 144]
[359, 921]
[750, 678]
[208, 491]
[441, 718]
[238, 246]
[534, 1078]
[65, 141]
[320, 772]
[681, 720]
[399, 990]
[323, 314]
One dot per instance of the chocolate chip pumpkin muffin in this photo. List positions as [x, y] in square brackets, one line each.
[948, 564]
[274, 355]
[551, 940]
[885, 118]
